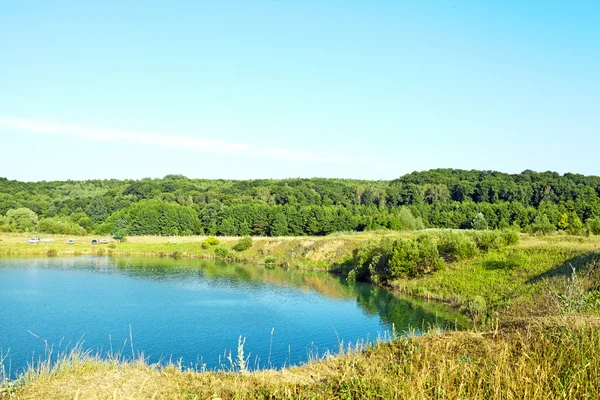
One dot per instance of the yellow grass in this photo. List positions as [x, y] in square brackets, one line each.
[537, 361]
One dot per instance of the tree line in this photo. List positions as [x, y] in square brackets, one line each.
[177, 205]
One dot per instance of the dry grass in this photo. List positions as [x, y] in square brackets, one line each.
[540, 360]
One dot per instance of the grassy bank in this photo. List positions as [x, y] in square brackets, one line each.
[301, 252]
[537, 361]
[535, 304]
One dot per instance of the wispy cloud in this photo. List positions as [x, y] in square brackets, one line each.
[178, 142]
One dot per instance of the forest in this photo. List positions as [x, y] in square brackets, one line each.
[536, 202]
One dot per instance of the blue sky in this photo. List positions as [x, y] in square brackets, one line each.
[275, 89]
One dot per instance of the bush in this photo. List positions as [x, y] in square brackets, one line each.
[370, 260]
[542, 225]
[221, 252]
[575, 225]
[244, 244]
[509, 236]
[405, 258]
[594, 225]
[476, 308]
[351, 278]
[176, 254]
[489, 240]
[457, 246]
[210, 241]
[479, 222]
[60, 225]
[270, 260]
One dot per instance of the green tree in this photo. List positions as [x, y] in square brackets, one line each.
[227, 227]
[97, 210]
[575, 224]
[479, 222]
[542, 225]
[594, 225]
[21, 220]
[563, 221]
[279, 226]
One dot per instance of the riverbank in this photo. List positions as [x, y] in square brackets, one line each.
[534, 305]
[543, 359]
[318, 253]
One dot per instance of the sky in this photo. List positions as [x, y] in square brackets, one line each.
[276, 89]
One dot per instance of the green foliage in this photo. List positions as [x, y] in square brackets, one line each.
[542, 225]
[381, 260]
[279, 226]
[489, 240]
[176, 254]
[209, 242]
[21, 220]
[351, 277]
[476, 308]
[563, 222]
[154, 217]
[244, 244]
[442, 198]
[575, 224]
[594, 225]
[221, 252]
[509, 236]
[457, 246]
[270, 260]
[479, 222]
[414, 258]
[60, 225]
[404, 220]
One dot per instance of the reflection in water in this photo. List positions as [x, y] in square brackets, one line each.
[404, 312]
[195, 309]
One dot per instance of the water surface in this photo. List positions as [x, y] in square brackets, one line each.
[192, 310]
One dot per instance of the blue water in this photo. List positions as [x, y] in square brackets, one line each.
[190, 310]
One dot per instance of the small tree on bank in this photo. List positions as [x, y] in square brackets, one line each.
[479, 222]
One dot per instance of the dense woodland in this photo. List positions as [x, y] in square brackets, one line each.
[176, 205]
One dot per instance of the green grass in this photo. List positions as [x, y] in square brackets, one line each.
[502, 277]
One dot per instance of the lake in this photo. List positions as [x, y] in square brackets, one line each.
[193, 311]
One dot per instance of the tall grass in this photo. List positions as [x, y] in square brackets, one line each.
[536, 361]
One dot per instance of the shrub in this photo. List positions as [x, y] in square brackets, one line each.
[476, 308]
[489, 240]
[221, 252]
[176, 254]
[52, 253]
[509, 236]
[244, 244]
[405, 258]
[351, 278]
[210, 241]
[270, 260]
[479, 222]
[60, 225]
[594, 225]
[457, 247]
[575, 224]
[542, 225]
[370, 260]
[414, 258]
